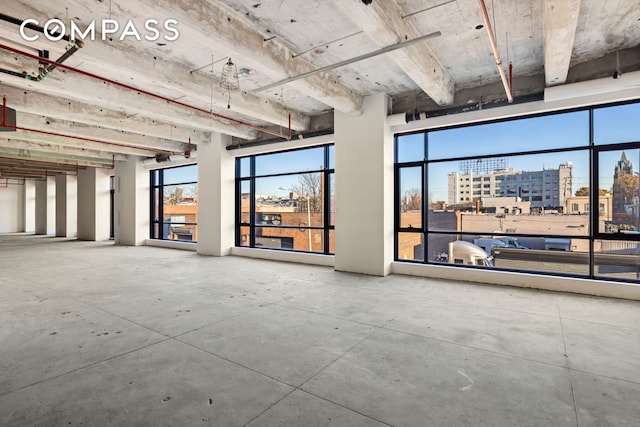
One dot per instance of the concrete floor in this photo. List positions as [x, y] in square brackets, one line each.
[92, 334]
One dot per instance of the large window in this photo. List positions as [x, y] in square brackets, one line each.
[285, 200]
[174, 203]
[516, 194]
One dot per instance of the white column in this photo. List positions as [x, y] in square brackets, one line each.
[66, 205]
[93, 205]
[46, 206]
[132, 203]
[216, 198]
[10, 208]
[364, 189]
[29, 206]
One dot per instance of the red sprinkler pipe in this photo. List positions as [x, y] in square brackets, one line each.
[494, 46]
[138, 90]
[113, 164]
[80, 138]
[42, 162]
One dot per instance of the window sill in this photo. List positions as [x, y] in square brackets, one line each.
[523, 280]
[172, 244]
[275, 255]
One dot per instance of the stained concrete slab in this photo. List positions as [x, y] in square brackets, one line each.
[361, 304]
[302, 409]
[167, 384]
[273, 323]
[608, 311]
[292, 346]
[612, 351]
[174, 315]
[405, 380]
[603, 401]
[529, 336]
[52, 335]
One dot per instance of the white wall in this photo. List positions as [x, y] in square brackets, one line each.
[216, 198]
[132, 203]
[11, 209]
[364, 184]
[66, 205]
[46, 206]
[93, 212]
[29, 225]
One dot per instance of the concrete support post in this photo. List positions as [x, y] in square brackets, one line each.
[66, 206]
[29, 206]
[132, 203]
[364, 189]
[93, 205]
[21, 212]
[46, 206]
[216, 205]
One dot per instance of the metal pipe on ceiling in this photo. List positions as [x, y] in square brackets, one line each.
[73, 49]
[494, 47]
[145, 92]
[34, 27]
[350, 61]
[80, 138]
[26, 161]
[7, 183]
[34, 172]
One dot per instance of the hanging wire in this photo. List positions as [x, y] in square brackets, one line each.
[506, 35]
[284, 109]
[212, 73]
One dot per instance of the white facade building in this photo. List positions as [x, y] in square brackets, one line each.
[548, 188]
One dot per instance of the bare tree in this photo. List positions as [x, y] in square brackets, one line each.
[309, 187]
[412, 200]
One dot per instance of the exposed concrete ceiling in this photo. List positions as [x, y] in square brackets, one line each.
[548, 42]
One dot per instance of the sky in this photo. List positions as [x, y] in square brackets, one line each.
[560, 131]
[567, 130]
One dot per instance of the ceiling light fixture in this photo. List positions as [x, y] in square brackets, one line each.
[229, 79]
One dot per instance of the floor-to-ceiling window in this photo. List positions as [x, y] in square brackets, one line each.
[174, 203]
[555, 193]
[285, 200]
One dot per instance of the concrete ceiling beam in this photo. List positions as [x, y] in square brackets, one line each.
[75, 111]
[221, 31]
[56, 150]
[90, 91]
[382, 22]
[86, 145]
[560, 24]
[152, 72]
[80, 130]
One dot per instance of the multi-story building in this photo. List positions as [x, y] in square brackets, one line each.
[547, 188]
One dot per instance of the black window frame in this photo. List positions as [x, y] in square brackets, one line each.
[159, 184]
[327, 174]
[593, 235]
